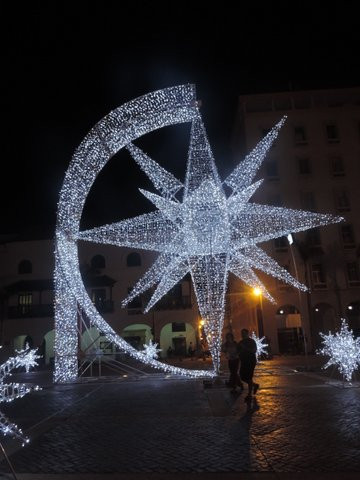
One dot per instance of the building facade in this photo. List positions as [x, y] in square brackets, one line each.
[314, 165]
[27, 297]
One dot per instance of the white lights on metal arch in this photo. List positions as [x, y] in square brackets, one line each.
[343, 350]
[260, 345]
[11, 391]
[203, 232]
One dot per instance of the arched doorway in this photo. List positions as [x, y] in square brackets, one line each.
[323, 321]
[353, 316]
[175, 339]
[290, 334]
[137, 335]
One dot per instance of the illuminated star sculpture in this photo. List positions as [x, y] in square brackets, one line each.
[151, 350]
[343, 349]
[204, 227]
[28, 357]
[10, 392]
[206, 233]
[260, 345]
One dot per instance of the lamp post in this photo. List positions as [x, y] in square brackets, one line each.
[291, 241]
[259, 311]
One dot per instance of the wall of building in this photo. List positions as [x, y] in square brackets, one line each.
[313, 165]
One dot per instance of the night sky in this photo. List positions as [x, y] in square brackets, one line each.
[67, 64]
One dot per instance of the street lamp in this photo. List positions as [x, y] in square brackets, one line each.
[259, 311]
[291, 241]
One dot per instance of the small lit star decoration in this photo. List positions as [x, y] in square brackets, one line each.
[28, 357]
[260, 345]
[201, 230]
[343, 349]
[11, 391]
[151, 350]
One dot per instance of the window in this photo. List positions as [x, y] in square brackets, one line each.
[25, 302]
[271, 168]
[178, 327]
[347, 236]
[300, 136]
[281, 244]
[98, 261]
[332, 133]
[353, 275]
[308, 201]
[25, 266]
[133, 260]
[342, 202]
[317, 276]
[304, 166]
[337, 166]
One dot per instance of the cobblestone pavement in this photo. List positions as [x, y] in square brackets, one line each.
[300, 422]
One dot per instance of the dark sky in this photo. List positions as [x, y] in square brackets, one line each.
[67, 64]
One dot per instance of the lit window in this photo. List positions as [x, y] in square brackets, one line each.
[25, 302]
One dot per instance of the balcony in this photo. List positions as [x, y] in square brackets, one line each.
[31, 311]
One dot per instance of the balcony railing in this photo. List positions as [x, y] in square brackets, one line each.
[31, 311]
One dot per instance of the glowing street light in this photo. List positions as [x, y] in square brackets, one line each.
[257, 291]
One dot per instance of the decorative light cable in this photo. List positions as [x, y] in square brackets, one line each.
[151, 350]
[11, 391]
[343, 349]
[205, 233]
[260, 345]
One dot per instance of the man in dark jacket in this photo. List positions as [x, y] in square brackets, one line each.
[247, 353]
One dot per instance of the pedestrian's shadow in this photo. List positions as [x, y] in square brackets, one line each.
[241, 433]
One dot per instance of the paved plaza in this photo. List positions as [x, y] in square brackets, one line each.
[303, 424]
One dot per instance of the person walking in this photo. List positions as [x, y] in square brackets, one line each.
[230, 348]
[247, 353]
